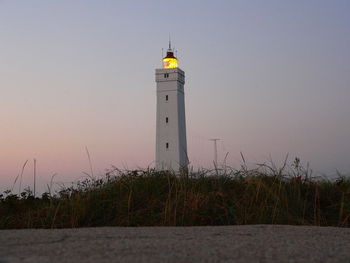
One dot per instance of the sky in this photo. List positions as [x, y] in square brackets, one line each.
[269, 78]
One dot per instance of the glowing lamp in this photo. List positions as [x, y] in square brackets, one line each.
[170, 61]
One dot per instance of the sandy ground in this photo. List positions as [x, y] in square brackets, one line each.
[255, 243]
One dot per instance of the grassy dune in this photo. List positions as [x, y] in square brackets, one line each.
[265, 195]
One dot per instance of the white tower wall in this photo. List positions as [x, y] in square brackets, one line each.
[171, 143]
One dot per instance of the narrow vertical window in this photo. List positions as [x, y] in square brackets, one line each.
[166, 120]
[166, 97]
[167, 145]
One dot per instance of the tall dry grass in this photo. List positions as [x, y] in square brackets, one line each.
[264, 195]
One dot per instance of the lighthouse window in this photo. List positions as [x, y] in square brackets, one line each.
[167, 145]
[166, 97]
[166, 119]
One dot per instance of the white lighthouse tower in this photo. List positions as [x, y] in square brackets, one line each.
[171, 143]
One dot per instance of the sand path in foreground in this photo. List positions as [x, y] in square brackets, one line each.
[254, 243]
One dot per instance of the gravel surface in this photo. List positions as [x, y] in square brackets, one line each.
[254, 243]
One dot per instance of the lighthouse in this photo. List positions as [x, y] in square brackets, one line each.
[171, 143]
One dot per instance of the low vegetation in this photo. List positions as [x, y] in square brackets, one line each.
[264, 195]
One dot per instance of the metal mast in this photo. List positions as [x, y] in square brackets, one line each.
[215, 150]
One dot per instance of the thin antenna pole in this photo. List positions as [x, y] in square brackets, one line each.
[169, 42]
[34, 172]
[215, 150]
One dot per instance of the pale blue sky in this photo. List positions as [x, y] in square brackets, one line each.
[267, 77]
